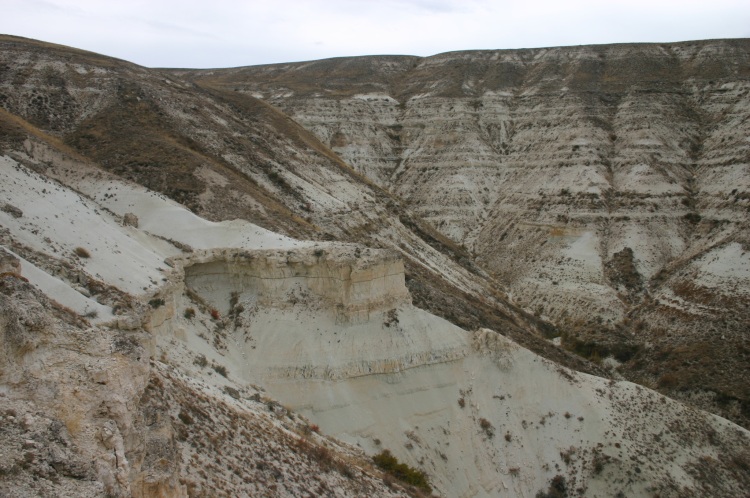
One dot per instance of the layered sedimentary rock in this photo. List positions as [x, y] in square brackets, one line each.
[507, 151]
[276, 313]
[158, 364]
[438, 396]
[352, 280]
[596, 184]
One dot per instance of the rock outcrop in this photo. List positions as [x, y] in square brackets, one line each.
[354, 281]
[550, 166]
[94, 410]
[273, 318]
[274, 313]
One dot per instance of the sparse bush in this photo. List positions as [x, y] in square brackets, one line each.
[221, 370]
[201, 361]
[185, 417]
[557, 488]
[157, 303]
[461, 402]
[81, 252]
[391, 317]
[567, 455]
[215, 314]
[12, 210]
[668, 380]
[345, 470]
[280, 182]
[599, 461]
[389, 463]
[323, 457]
[693, 217]
[189, 313]
[487, 427]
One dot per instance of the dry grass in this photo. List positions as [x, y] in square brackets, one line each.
[82, 252]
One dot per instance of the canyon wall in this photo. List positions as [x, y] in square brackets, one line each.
[522, 154]
[604, 188]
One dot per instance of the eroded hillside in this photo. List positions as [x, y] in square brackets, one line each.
[190, 358]
[605, 188]
[229, 156]
[200, 297]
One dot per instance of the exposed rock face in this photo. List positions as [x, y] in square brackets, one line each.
[292, 302]
[68, 437]
[87, 411]
[455, 396]
[584, 179]
[479, 438]
[171, 404]
[501, 150]
[353, 281]
[227, 157]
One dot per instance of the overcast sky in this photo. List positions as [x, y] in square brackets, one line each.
[224, 33]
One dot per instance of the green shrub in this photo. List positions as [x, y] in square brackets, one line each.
[390, 464]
